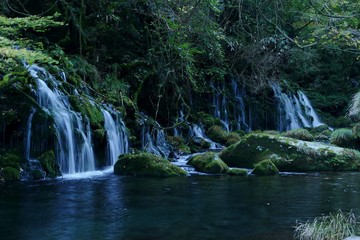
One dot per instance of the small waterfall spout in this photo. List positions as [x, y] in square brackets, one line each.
[28, 134]
[118, 142]
[73, 149]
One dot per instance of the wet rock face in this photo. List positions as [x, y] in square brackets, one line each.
[289, 154]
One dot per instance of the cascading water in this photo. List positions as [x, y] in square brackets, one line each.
[309, 109]
[28, 134]
[294, 111]
[118, 142]
[198, 132]
[240, 111]
[73, 149]
[154, 141]
[220, 107]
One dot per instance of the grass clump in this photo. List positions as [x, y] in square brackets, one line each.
[342, 137]
[300, 133]
[335, 226]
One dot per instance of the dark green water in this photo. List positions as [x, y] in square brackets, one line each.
[196, 207]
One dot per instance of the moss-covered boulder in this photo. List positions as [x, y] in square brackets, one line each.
[343, 137]
[179, 144]
[237, 172]
[289, 154]
[10, 174]
[219, 135]
[265, 168]
[300, 133]
[146, 164]
[10, 160]
[208, 162]
[49, 164]
[319, 129]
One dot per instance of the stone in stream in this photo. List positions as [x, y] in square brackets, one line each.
[289, 154]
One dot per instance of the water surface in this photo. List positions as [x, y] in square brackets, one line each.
[194, 207]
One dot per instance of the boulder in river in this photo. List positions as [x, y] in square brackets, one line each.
[289, 154]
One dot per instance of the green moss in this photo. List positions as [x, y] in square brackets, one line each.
[87, 109]
[208, 162]
[288, 154]
[10, 160]
[207, 119]
[356, 131]
[219, 135]
[49, 164]
[301, 134]
[319, 129]
[37, 174]
[265, 168]
[179, 144]
[237, 172]
[146, 164]
[10, 174]
[342, 137]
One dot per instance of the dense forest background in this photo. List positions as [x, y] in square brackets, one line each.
[162, 56]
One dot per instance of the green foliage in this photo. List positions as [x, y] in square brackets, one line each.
[10, 174]
[10, 160]
[208, 162]
[146, 164]
[265, 168]
[335, 226]
[301, 134]
[219, 135]
[342, 137]
[179, 144]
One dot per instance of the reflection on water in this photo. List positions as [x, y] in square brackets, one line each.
[195, 207]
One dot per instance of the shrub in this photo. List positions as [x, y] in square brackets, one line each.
[301, 134]
[342, 137]
[335, 226]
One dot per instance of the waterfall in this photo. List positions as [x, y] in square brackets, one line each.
[117, 139]
[154, 141]
[220, 107]
[73, 148]
[240, 112]
[309, 109]
[294, 111]
[198, 132]
[28, 134]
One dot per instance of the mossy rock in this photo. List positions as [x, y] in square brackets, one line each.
[342, 137]
[265, 168]
[10, 160]
[49, 164]
[356, 131]
[178, 143]
[301, 134]
[219, 135]
[38, 174]
[289, 154]
[10, 174]
[87, 109]
[208, 162]
[207, 119]
[146, 164]
[319, 129]
[237, 172]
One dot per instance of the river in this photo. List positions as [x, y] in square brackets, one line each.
[193, 207]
